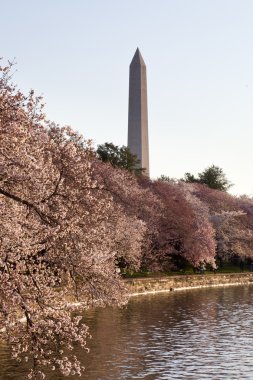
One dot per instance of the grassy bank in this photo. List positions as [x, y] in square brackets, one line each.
[224, 268]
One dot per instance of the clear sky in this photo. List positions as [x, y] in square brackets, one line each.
[199, 57]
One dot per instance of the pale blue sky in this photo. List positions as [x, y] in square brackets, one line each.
[199, 57]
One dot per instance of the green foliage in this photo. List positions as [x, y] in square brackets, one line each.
[164, 178]
[188, 177]
[213, 177]
[120, 157]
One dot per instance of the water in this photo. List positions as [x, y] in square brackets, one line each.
[194, 334]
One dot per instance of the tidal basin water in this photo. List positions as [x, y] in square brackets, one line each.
[194, 334]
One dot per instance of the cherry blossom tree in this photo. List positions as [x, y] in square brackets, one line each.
[177, 224]
[183, 228]
[203, 244]
[232, 220]
[59, 238]
[138, 204]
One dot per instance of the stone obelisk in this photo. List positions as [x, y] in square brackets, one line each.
[138, 111]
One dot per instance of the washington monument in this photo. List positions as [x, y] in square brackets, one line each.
[138, 111]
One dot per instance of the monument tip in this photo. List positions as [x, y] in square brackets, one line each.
[137, 58]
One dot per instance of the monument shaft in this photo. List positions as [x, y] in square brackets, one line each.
[138, 111]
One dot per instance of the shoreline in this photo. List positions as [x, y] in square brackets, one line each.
[163, 284]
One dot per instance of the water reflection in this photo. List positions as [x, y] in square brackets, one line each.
[198, 334]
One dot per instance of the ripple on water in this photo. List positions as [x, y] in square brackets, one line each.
[194, 334]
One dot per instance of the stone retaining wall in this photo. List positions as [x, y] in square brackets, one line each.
[169, 283]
